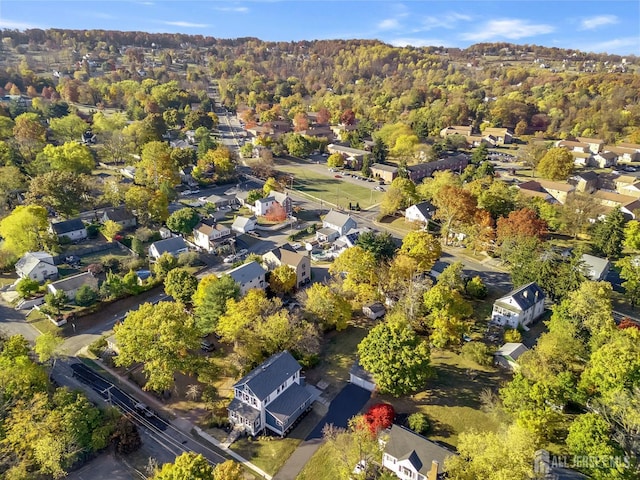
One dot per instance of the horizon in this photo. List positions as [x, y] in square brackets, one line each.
[597, 27]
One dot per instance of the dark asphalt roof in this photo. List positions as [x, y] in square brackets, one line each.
[270, 374]
[526, 296]
[67, 226]
[119, 214]
[404, 444]
[170, 245]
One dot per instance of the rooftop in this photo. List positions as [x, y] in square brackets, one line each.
[246, 272]
[270, 374]
[67, 226]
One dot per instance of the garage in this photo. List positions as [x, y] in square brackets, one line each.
[361, 378]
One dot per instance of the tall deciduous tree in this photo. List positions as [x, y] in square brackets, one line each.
[520, 224]
[180, 284]
[400, 194]
[30, 134]
[282, 280]
[380, 244]
[156, 165]
[70, 157]
[396, 357]
[330, 308]
[162, 337]
[68, 128]
[65, 192]
[556, 164]
[632, 235]
[422, 247]
[608, 234]
[187, 465]
[210, 300]
[630, 273]
[493, 456]
[183, 220]
[24, 229]
[359, 268]
[455, 209]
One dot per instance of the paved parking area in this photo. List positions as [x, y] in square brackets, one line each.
[347, 404]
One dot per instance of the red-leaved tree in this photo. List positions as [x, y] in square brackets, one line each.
[379, 417]
[276, 213]
[521, 223]
[628, 323]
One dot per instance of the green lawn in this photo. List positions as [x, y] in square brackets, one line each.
[321, 466]
[40, 321]
[328, 189]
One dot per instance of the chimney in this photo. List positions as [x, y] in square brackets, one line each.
[433, 472]
[525, 294]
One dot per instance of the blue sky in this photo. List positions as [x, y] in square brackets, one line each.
[611, 26]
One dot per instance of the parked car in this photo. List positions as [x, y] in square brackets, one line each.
[230, 258]
[143, 409]
[185, 193]
[242, 252]
[207, 346]
[338, 176]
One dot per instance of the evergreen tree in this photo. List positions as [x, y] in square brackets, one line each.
[608, 234]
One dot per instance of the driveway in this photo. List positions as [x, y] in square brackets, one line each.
[347, 404]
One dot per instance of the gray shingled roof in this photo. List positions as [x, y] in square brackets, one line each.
[597, 264]
[289, 402]
[526, 296]
[244, 410]
[75, 282]
[119, 214]
[404, 444]
[270, 374]
[246, 272]
[336, 218]
[67, 226]
[513, 350]
[426, 209]
[170, 245]
[384, 168]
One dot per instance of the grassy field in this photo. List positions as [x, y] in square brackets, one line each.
[40, 321]
[321, 466]
[328, 189]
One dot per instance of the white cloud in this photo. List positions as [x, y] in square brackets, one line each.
[14, 25]
[447, 20]
[507, 28]
[418, 42]
[592, 23]
[389, 24]
[186, 24]
[232, 9]
[618, 46]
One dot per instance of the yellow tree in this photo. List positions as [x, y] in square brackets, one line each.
[557, 164]
[24, 229]
[156, 166]
[422, 247]
[359, 268]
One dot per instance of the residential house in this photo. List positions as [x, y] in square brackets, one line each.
[244, 224]
[533, 189]
[585, 181]
[88, 138]
[595, 144]
[73, 229]
[248, 275]
[497, 136]
[272, 396]
[374, 310]
[438, 267]
[208, 235]
[286, 255]
[186, 175]
[632, 146]
[38, 266]
[353, 157]
[335, 224]
[220, 201]
[71, 285]
[262, 205]
[557, 190]
[582, 159]
[520, 307]
[388, 173]
[595, 268]
[341, 131]
[627, 204]
[573, 146]
[121, 216]
[420, 212]
[348, 240]
[423, 170]
[361, 378]
[173, 246]
[412, 457]
[624, 154]
[465, 131]
[507, 355]
[603, 159]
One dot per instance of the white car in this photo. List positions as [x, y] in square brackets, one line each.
[230, 259]
[185, 193]
[296, 246]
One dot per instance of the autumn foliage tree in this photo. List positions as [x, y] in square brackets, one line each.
[456, 208]
[520, 223]
[379, 417]
[276, 213]
[557, 164]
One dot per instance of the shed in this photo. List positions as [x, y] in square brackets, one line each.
[508, 354]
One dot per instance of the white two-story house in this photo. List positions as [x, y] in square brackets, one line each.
[519, 307]
[208, 235]
[263, 205]
[271, 396]
[335, 224]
